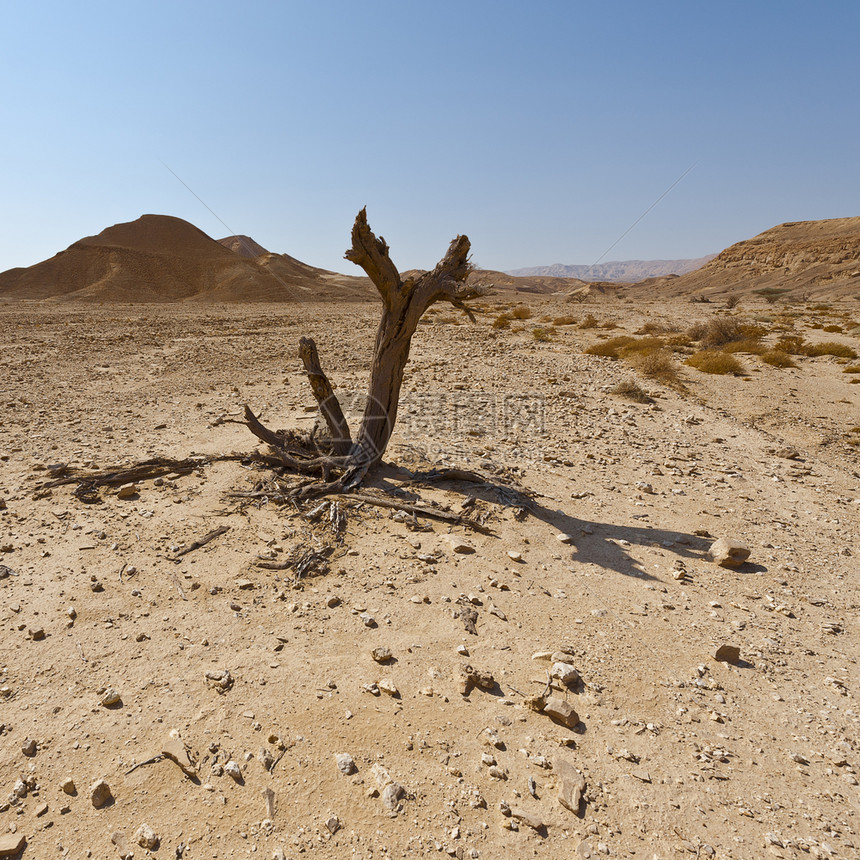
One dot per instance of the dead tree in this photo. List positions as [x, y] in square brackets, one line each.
[342, 463]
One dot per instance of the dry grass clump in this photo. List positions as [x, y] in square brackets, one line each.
[502, 321]
[542, 335]
[793, 344]
[778, 358]
[655, 363]
[564, 320]
[631, 390]
[590, 321]
[714, 361]
[521, 312]
[852, 368]
[610, 348]
[720, 331]
[653, 327]
[832, 329]
[840, 350]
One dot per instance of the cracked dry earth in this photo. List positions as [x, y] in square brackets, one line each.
[236, 711]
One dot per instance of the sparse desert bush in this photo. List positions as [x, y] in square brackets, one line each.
[654, 327]
[713, 361]
[521, 312]
[564, 321]
[833, 329]
[778, 358]
[771, 294]
[631, 390]
[719, 331]
[542, 334]
[655, 363]
[610, 348]
[840, 350]
[852, 368]
[792, 344]
[502, 321]
[590, 322]
[732, 301]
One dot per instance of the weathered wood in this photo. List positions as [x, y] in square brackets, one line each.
[329, 405]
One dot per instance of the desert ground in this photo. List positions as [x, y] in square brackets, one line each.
[235, 710]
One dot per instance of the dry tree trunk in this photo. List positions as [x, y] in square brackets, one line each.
[404, 303]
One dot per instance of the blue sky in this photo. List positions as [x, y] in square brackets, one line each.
[542, 130]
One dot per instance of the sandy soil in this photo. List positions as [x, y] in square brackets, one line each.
[681, 754]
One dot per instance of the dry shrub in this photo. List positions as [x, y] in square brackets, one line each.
[713, 361]
[833, 329]
[502, 321]
[542, 334]
[852, 368]
[840, 350]
[589, 322]
[521, 312]
[564, 321]
[661, 327]
[720, 331]
[631, 390]
[655, 363]
[778, 358]
[792, 344]
[611, 348]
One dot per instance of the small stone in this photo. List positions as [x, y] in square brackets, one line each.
[110, 698]
[392, 794]
[381, 654]
[232, 769]
[728, 654]
[29, 747]
[526, 818]
[367, 619]
[563, 537]
[244, 584]
[146, 837]
[345, 763]
[221, 679]
[462, 650]
[68, 786]
[496, 772]
[728, 553]
[459, 546]
[644, 487]
[11, 844]
[41, 809]
[513, 555]
[127, 491]
[37, 634]
[387, 686]
[571, 785]
[72, 613]
[100, 794]
[561, 712]
[565, 673]
[333, 601]
[641, 775]
[333, 824]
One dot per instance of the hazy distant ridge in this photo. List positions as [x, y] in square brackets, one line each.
[618, 270]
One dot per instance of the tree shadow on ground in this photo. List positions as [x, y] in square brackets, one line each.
[601, 543]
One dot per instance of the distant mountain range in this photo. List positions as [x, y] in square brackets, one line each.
[619, 270]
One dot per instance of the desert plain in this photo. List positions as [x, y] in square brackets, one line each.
[237, 707]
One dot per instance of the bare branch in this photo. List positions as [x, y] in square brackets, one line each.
[328, 402]
[372, 255]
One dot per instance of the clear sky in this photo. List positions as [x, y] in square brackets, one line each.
[542, 130]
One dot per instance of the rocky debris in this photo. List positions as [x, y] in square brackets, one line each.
[392, 792]
[513, 555]
[68, 786]
[468, 615]
[100, 793]
[559, 711]
[29, 747]
[458, 545]
[174, 749]
[345, 763]
[146, 837]
[332, 824]
[563, 537]
[527, 818]
[727, 552]
[11, 844]
[470, 677]
[37, 634]
[571, 785]
[121, 841]
[387, 686]
[565, 673]
[220, 679]
[728, 654]
[382, 654]
[368, 620]
[233, 770]
[127, 491]
[110, 698]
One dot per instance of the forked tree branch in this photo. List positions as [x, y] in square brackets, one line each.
[372, 255]
[326, 398]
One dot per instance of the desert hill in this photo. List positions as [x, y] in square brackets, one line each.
[159, 258]
[618, 270]
[820, 259]
[244, 246]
